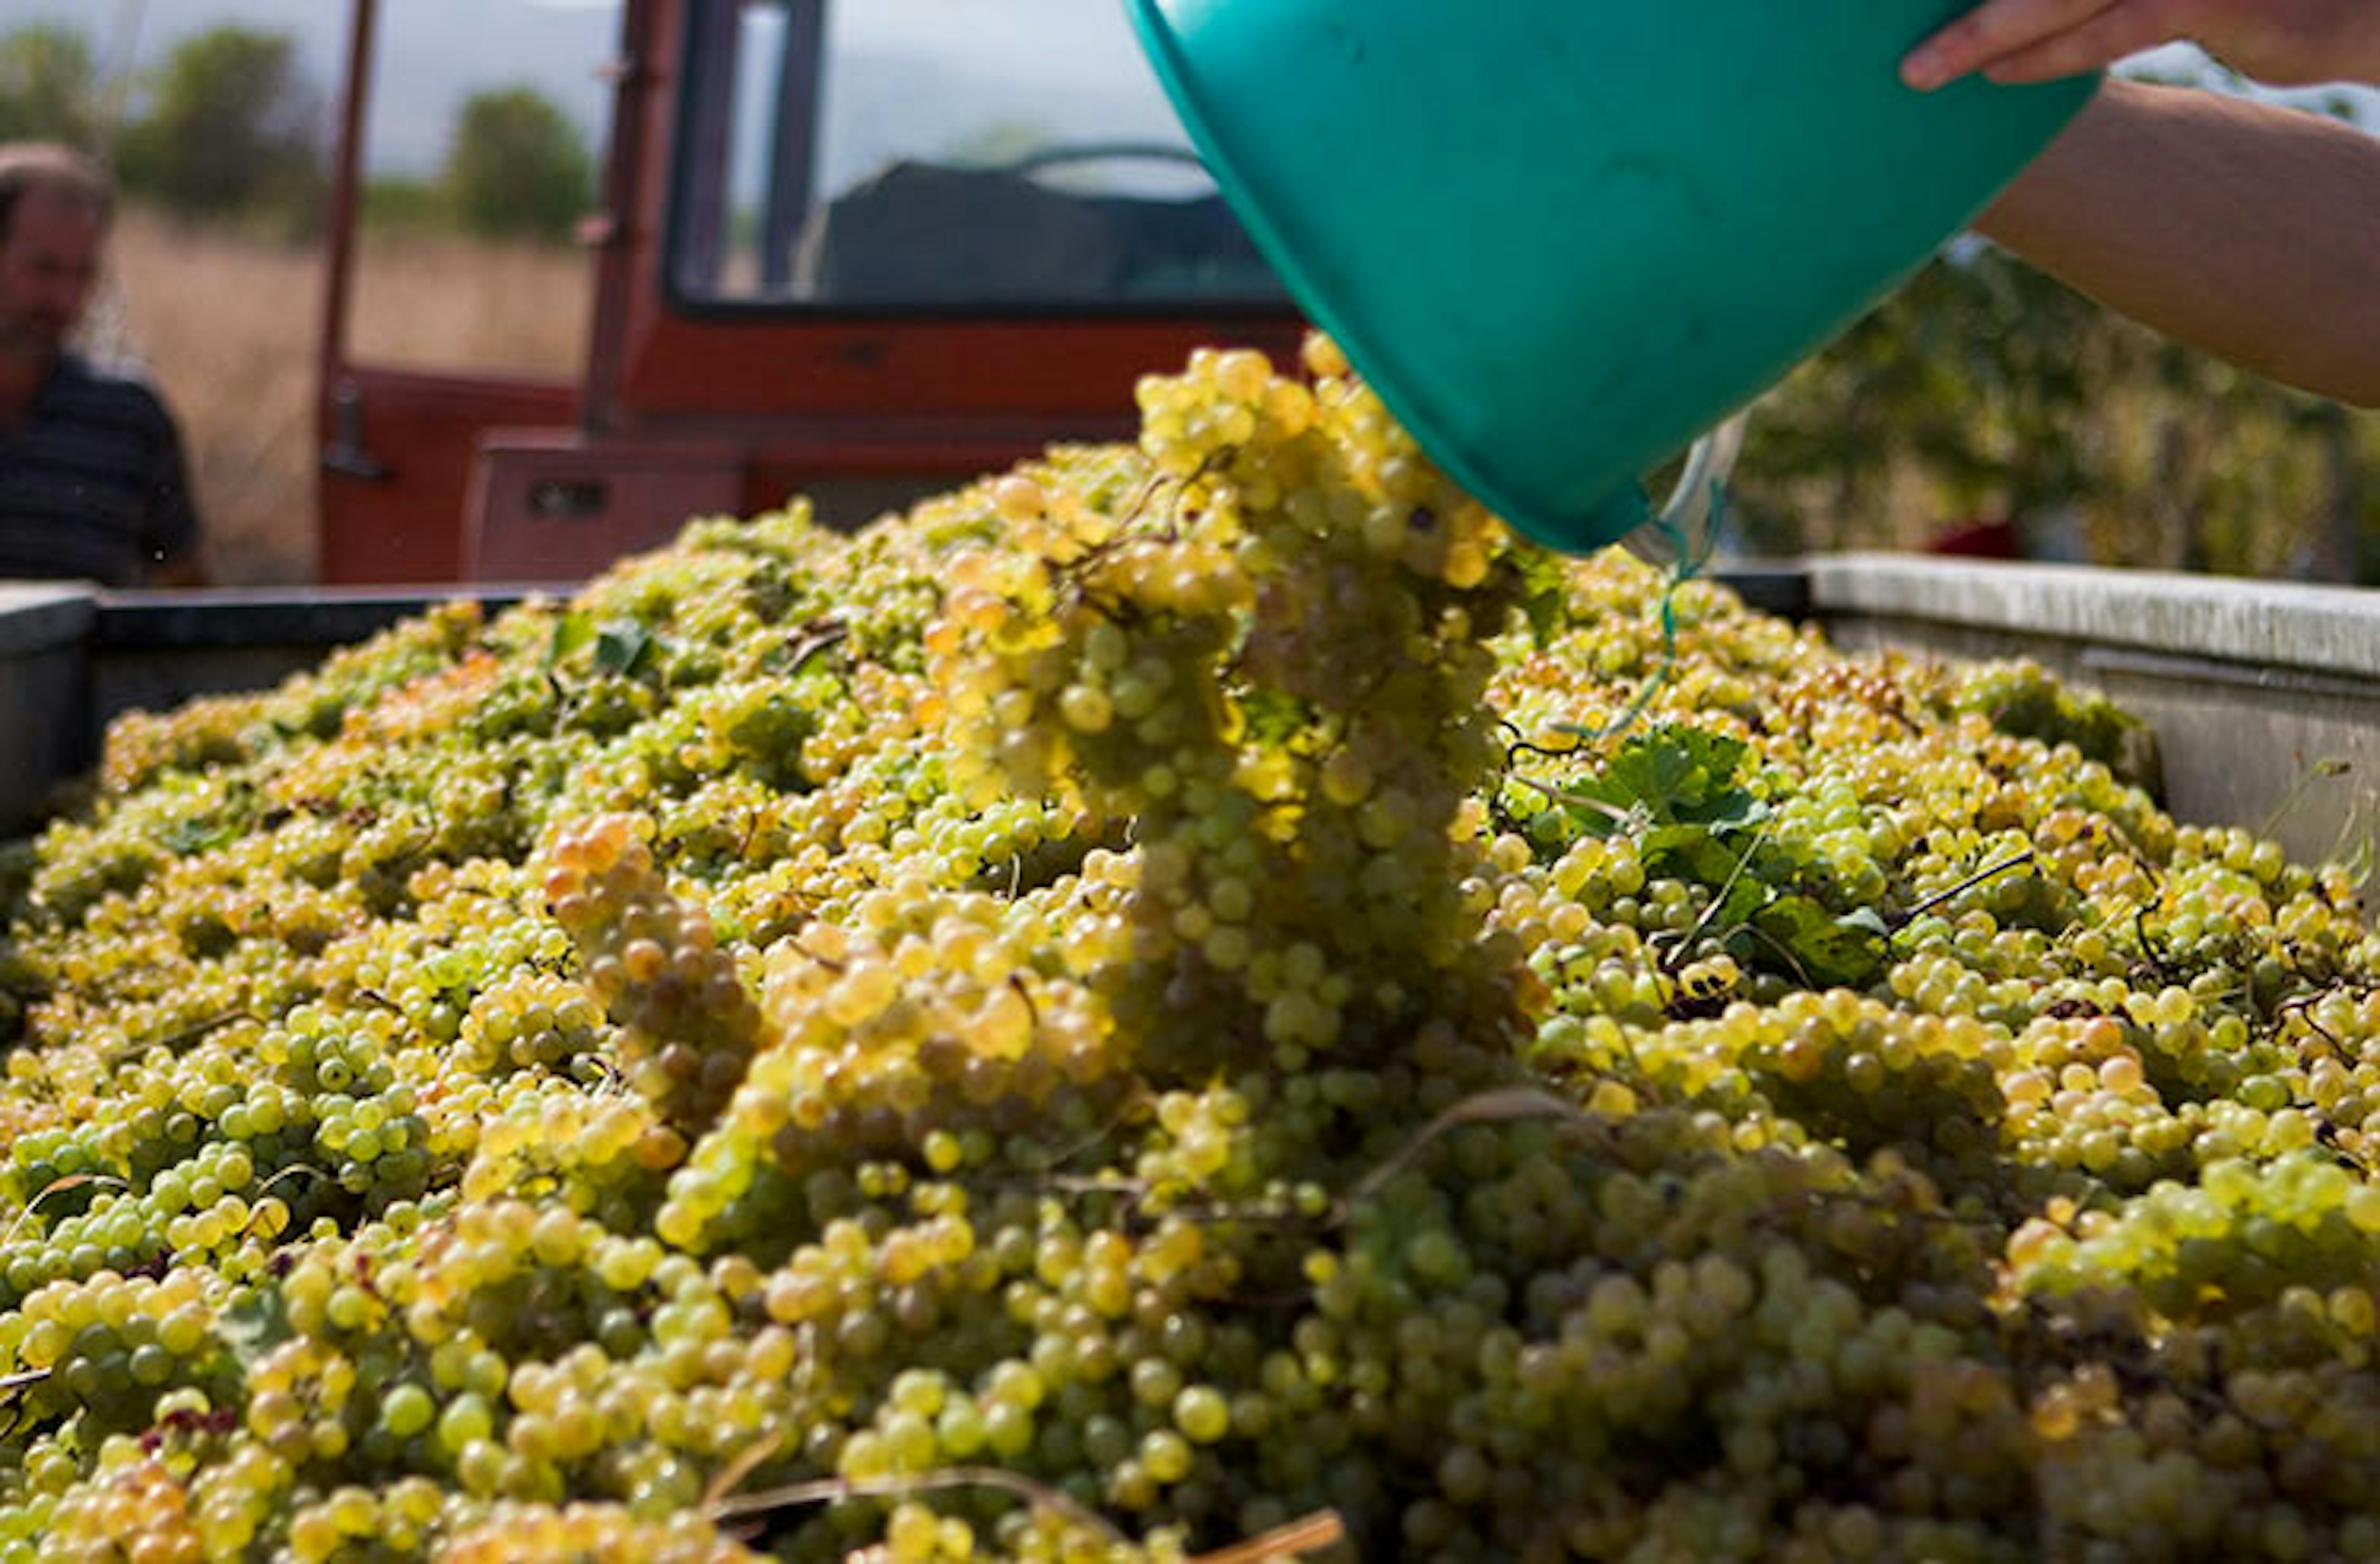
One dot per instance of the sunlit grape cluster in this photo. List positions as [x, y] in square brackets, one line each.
[1194, 1000]
[686, 1023]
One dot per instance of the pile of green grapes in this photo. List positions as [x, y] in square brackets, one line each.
[1192, 1001]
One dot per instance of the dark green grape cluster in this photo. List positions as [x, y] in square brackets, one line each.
[1193, 1000]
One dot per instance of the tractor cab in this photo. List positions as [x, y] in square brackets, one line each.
[855, 250]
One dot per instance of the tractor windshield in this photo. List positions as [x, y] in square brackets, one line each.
[941, 154]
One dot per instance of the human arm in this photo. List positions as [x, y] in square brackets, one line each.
[2284, 42]
[2247, 229]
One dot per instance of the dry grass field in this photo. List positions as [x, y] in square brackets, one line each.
[230, 327]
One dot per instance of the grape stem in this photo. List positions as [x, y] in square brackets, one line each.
[255, 1209]
[1293, 1541]
[1134, 1195]
[1783, 952]
[1577, 800]
[731, 1477]
[1681, 949]
[198, 1029]
[72, 1180]
[2303, 1008]
[1920, 908]
[811, 639]
[1497, 1106]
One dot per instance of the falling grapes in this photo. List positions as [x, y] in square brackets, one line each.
[1195, 999]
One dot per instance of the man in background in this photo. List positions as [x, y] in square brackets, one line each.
[92, 484]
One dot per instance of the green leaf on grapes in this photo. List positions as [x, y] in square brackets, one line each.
[252, 1327]
[1671, 775]
[1273, 717]
[572, 632]
[1829, 951]
[188, 838]
[1867, 920]
[1545, 592]
[623, 647]
[1690, 851]
[774, 726]
[1744, 898]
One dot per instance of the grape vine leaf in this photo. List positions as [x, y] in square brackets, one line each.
[1867, 920]
[1272, 717]
[189, 837]
[1545, 592]
[1671, 775]
[253, 1326]
[622, 645]
[571, 632]
[1830, 952]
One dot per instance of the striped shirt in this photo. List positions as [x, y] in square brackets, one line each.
[92, 484]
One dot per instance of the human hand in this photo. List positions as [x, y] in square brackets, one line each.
[2284, 42]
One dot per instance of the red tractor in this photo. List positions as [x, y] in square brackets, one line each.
[805, 284]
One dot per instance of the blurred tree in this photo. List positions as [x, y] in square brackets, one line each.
[231, 127]
[49, 87]
[403, 203]
[516, 167]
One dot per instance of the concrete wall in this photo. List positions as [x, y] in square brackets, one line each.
[72, 657]
[2266, 698]
[44, 694]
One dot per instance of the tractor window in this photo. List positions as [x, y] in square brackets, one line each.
[478, 165]
[878, 154]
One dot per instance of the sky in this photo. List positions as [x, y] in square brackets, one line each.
[434, 53]
[904, 88]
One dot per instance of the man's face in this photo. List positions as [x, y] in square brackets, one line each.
[49, 262]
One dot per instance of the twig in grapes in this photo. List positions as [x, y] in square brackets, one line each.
[1295, 1540]
[827, 1490]
[811, 639]
[2320, 770]
[1683, 949]
[1523, 746]
[731, 1477]
[1502, 1106]
[17, 1411]
[198, 1029]
[2303, 1008]
[256, 1206]
[291, 1171]
[823, 960]
[1136, 1099]
[1783, 952]
[1578, 801]
[1919, 909]
[72, 1180]
[2150, 953]
[1094, 1183]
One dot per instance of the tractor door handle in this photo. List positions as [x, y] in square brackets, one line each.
[346, 455]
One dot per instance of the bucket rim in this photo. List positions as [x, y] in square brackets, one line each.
[1169, 58]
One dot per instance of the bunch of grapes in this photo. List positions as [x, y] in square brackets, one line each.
[1196, 1000]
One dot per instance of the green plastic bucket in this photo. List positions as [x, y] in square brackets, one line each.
[1564, 237]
